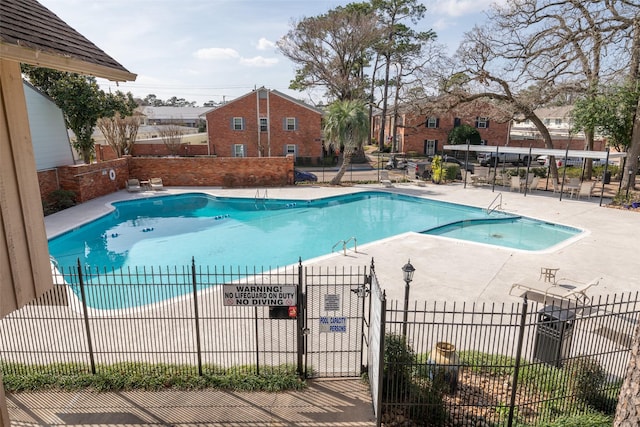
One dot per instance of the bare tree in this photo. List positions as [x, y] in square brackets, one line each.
[171, 135]
[332, 51]
[397, 45]
[120, 132]
[534, 52]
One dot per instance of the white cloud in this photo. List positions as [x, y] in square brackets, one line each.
[264, 44]
[456, 8]
[216, 53]
[259, 61]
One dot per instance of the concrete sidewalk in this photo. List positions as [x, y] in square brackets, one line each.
[326, 402]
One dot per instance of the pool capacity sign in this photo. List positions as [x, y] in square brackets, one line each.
[256, 295]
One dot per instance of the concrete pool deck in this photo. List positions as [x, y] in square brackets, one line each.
[455, 270]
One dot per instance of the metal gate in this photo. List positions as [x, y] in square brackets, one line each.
[335, 305]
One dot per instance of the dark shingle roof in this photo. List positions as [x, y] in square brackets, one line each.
[28, 24]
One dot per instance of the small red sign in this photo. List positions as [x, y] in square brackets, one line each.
[293, 311]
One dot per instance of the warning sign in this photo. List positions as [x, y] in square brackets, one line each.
[258, 295]
[331, 302]
[333, 324]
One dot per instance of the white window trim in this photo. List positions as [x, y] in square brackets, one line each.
[290, 123]
[266, 124]
[482, 122]
[432, 122]
[239, 147]
[238, 121]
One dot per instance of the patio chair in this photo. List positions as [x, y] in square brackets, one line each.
[384, 179]
[559, 290]
[133, 185]
[156, 184]
[515, 183]
[586, 187]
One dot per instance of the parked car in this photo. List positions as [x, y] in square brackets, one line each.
[448, 159]
[302, 176]
[560, 161]
[491, 159]
[542, 160]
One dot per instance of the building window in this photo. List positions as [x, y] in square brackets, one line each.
[456, 122]
[432, 122]
[558, 122]
[290, 123]
[482, 122]
[430, 147]
[237, 123]
[547, 122]
[290, 149]
[238, 150]
[264, 124]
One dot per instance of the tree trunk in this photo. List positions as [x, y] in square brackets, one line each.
[633, 152]
[628, 410]
[346, 161]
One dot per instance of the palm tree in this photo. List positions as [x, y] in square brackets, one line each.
[347, 125]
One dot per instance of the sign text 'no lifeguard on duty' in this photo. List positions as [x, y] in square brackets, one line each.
[257, 295]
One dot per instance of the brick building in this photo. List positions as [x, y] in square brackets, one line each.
[426, 133]
[266, 123]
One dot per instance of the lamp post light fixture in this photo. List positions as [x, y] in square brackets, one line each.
[407, 271]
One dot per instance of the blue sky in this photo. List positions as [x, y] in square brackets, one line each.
[217, 50]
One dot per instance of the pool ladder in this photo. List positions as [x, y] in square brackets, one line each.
[262, 199]
[344, 245]
[497, 202]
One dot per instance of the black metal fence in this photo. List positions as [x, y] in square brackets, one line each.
[506, 364]
[449, 364]
[185, 318]
[173, 317]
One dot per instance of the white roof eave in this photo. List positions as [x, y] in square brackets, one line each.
[535, 151]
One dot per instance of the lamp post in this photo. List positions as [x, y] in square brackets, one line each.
[407, 271]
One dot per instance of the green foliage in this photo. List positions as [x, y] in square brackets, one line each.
[588, 380]
[438, 172]
[451, 171]
[58, 200]
[82, 102]
[583, 420]
[422, 400]
[460, 135]
[610, 112]
[132, 376]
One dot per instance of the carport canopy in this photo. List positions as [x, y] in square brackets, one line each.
[534, 152]
[558, 153]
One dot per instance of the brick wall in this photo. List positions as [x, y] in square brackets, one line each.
[94, 180]
[215, 171]
[48, 180]
[307, 136]
[105, 152]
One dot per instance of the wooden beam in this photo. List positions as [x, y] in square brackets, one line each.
[25, 269]
[4, 412]
[39, 58]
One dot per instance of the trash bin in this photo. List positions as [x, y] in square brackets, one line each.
[607, 177]
[554, 335]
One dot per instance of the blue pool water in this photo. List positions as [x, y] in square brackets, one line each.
[225, 231]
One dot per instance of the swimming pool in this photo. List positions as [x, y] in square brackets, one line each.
[226, 231]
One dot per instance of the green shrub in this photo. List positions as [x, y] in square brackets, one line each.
[58, 200]
[451, 171]
[422, 401]
[131, 376]
[583, 420]
[587, 380]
